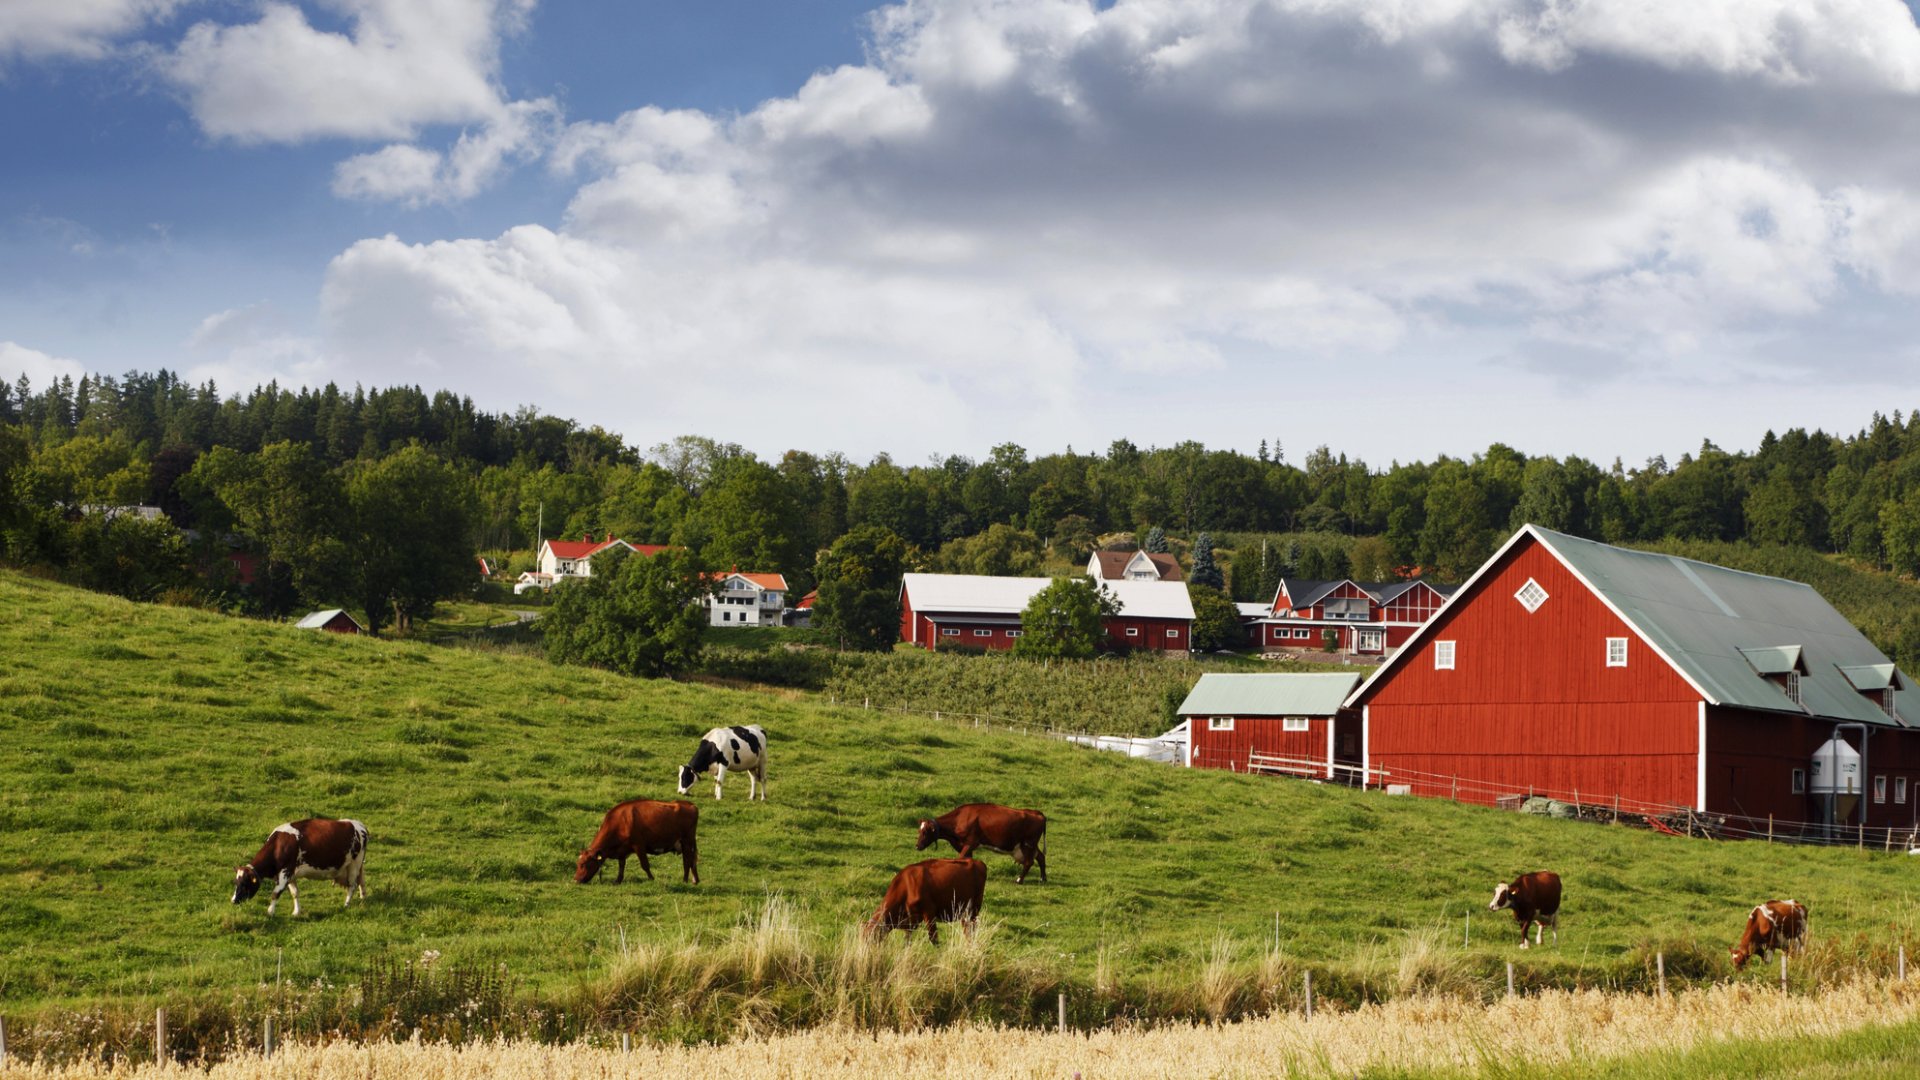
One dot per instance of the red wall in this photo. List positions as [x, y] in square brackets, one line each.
[1751, 757]
[1229, 749]
[1531, 704]
[1153, 633]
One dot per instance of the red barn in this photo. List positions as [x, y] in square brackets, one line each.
[332, 620]
[1575, 669]
[983, 612]
[1365, 618]
[1284, 723]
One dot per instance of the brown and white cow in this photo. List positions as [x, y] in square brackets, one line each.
[643, 827]
[936, 890]
[1532, 897]
[312, 848]
[1020, 833]
[1776, 924]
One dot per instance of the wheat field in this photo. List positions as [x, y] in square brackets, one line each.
[1407, 1036]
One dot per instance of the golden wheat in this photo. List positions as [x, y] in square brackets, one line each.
[1423, 1032]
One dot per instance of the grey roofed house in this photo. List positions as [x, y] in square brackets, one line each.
[1263, 694]
[1730, 633]
[334, 619]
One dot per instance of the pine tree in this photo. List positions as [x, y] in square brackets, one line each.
[1156, 542]
[1206, 572]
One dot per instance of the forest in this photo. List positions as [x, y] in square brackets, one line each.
[379, 498]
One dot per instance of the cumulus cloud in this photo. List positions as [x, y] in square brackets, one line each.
[39, 368]
[1015, 205]
[84, 29]
[400, 66]
[417, 176]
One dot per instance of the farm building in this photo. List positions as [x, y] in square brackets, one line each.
[1132, 566]
[1282, 723]
[1592, 673]
[982, 612]
[747, 600]
[332, 620]
[1364, 618]
[562, 559]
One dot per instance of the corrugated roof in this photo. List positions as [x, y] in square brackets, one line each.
[319, 619]
[984, 595]
[1152, 599]
[1872, 677]
[1268, 695]
[1700, 617]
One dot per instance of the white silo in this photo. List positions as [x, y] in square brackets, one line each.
[1835, 779]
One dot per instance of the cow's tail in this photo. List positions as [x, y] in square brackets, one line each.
[1043, 847]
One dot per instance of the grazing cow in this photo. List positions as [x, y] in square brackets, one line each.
[1532, 897]
[943, 890]
[313, 848]
[643, 827]
[726, 748]
[1020, 833]
[1776, 924]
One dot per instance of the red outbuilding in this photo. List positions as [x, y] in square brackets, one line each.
[1360, 617]
[1592, 673]
[1293, 724]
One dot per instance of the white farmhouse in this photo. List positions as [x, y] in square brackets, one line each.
[747, 600]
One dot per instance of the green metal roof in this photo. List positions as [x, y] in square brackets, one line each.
[1300, 694]
[1722, 627]
[1873, 676]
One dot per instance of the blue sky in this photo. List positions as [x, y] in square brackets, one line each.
[1606, 227]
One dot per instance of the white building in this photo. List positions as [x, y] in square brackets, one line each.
[748, 600]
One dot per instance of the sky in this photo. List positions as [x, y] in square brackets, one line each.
[1399, 228]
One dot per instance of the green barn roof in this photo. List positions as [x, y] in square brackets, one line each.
[1260, 694]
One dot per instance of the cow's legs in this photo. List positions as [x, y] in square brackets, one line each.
[1040, 857]
[644, 865]
[622, 876]
[933, 935]
[1023, 858]
[1524, 927]
[280, 885]
[760, 774]
[719, 777]
[293, 891]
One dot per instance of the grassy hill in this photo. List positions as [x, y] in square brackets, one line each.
[146, 751]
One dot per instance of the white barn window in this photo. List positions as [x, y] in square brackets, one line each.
[1173, 633]
[1133, 631]
[1900, 790]
[1295, 723]
[983, 633]
[1219, 723]
[1443, 656]
[1799, 781]
[1880, 788]
[1616, 652]
[949, 632]
[1531, 596]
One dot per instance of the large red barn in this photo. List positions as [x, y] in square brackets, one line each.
[1576, 669]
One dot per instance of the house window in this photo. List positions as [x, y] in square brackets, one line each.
[983, 633]
[1219, 723]
[1616, 652]
[1900, 790]
[1302, 633]
[1799, 781]
[1886, 702]
[1014, 633]
[1791, 684]
[1369, 640]
[726, 616]
[1173, 633]
[949, 633]
[1531, 596]
[1880, 788]
[1295, 723]
[1133, 631]
[1443, 656]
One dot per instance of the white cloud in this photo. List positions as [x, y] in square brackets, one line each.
[402, 65]
[1015, 205]
[84, 29]
[417, 176]
[39, 368]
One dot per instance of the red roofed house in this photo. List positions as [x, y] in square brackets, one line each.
[1368, 618]
[747, 600]
[563, 559]
[1132, 566]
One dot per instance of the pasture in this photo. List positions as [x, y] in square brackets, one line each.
[147, 751]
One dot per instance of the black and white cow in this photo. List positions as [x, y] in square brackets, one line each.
[726, 748]
[312, 848]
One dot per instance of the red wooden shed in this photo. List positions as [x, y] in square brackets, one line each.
[1579, 670]
[1294, 724]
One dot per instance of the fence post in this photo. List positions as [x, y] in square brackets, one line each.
[1660, 964]
[1456, 790]
[159, 1035]
[1616, 808]
[1509, 978]
[1903, 978]
[267, 1037]
[1309, 995]
[626, 1042]
[3, 1030]
[1063, 1012]
[866, 703]
[1783, 971]
[1466, 937]
[1769, 828]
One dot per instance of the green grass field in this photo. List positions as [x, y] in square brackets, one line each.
[147, 751]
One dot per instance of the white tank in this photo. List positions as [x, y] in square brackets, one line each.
[1836, 769]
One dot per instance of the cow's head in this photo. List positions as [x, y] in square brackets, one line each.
[687, 776]
[1502, 896]
[245, 884]
[588, 866]
[928, 835]
[1740, 954]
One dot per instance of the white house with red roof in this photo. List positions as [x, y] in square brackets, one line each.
[747, 600]
[562, 560]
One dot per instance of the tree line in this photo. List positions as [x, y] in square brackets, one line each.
[301, 474]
